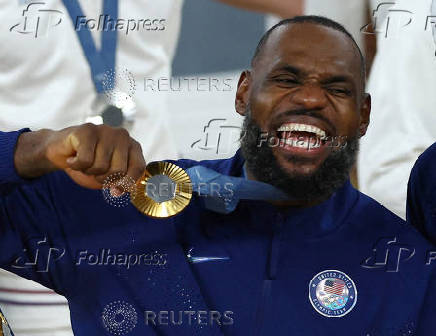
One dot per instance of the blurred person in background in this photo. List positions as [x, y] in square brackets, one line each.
[403, 100]
[421, 197]
[64, 65]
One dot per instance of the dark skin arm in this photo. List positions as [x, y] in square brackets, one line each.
[87, 153]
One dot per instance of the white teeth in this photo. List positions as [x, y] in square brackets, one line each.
[302, 143]
[302, 128]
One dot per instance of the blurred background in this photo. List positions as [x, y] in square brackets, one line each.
[209, 113]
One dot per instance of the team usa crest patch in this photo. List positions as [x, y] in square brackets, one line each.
[332, 293]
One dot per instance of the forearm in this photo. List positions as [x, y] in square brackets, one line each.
[30, 154]
[281, 8]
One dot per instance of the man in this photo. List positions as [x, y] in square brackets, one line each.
[421, 200]
[328, 259]
[46, 81]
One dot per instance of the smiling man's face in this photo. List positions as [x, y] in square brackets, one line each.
[306, 84]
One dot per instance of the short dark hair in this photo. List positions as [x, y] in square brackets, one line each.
[319, 20]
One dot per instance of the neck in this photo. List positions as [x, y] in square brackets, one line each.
[294, 203]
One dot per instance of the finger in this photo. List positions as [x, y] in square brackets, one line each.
[103, 158]
[119, 162]
[120, 158]
[83, 180]
[136, 161]
[84, 143]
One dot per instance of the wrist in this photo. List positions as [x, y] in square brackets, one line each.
[30, 157]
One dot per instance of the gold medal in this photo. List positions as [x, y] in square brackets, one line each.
[2, 323]
[163, 190]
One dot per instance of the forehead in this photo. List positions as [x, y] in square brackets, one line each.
[311, 48]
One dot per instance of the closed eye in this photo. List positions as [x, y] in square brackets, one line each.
[285, 80]
[339, 91]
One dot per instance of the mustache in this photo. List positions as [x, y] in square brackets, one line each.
[314, 113]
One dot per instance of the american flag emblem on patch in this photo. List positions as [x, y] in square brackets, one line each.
[334, 286]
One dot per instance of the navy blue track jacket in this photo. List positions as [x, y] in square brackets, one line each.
[346, 267]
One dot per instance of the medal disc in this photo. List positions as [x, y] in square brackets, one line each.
[163, 191]
[3, 326]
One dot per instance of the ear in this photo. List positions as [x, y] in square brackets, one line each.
[243, 92]
[365, 112]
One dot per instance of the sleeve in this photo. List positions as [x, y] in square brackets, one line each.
[421, 193]
[31, 243]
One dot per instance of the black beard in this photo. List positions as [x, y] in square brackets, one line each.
[320, 185]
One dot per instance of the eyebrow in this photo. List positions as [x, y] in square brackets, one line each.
[338, 79]
[331, 80]
[291, 69]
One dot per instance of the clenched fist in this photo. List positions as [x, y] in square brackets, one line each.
[87, 153]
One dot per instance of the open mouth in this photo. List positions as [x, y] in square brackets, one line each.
[303, 136]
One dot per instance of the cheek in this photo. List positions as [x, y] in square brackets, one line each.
[261, 107]
[348, 121]
[263, 104]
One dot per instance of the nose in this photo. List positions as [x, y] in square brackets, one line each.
[310, 96]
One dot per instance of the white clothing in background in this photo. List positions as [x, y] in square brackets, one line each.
[351, 14]
[403, 118]
[45, 82]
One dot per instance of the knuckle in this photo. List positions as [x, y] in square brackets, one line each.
[116, 170]
[85, 161]
[102, 166]
[97, 169]
[88, 127]
[135, 145]
[137, 170]
[123, 132]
